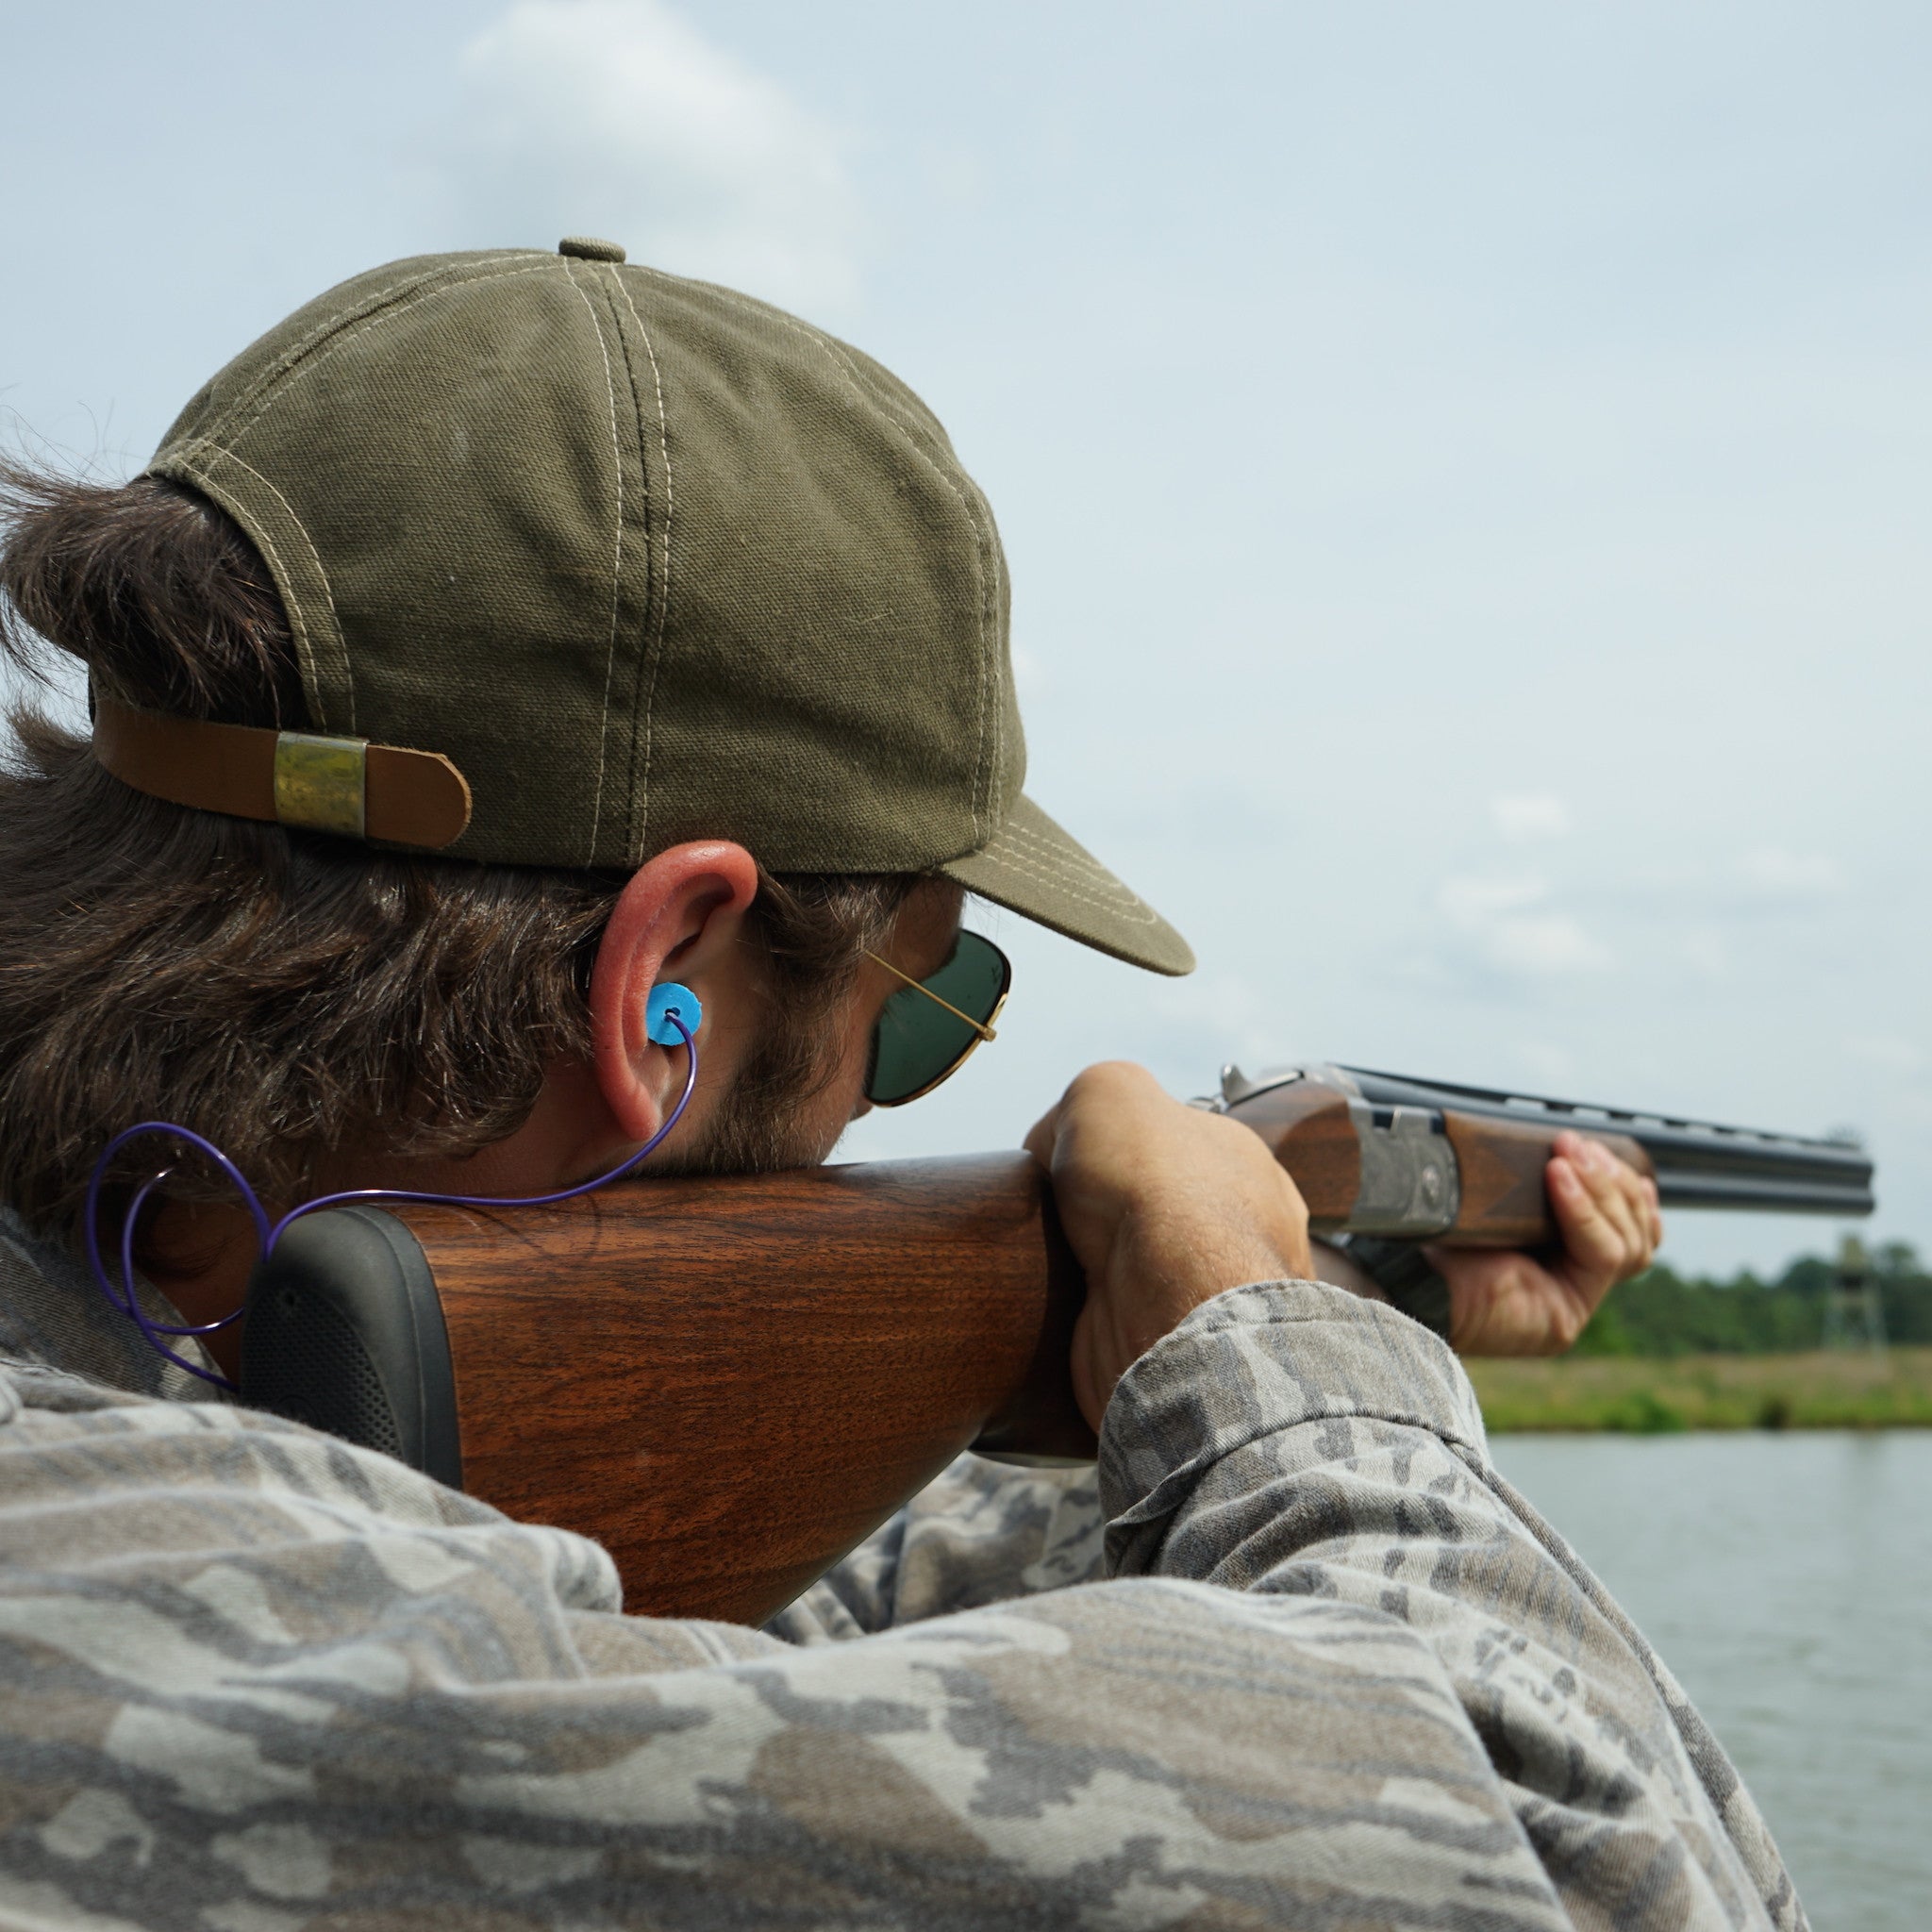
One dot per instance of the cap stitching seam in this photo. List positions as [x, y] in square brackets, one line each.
[230, 426]
[374, 306]
[664, 574]
[1026, 834]
[617, 563]
[328, 597]
[1018, 829]
[1133, 911]
[1098, 889]
[987, 558]
[370, 308]
[636, 420]
[1136, 913]
[1097, 883]
[844, 372]
[1001, 595]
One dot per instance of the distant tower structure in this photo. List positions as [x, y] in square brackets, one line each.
[1853, 1314]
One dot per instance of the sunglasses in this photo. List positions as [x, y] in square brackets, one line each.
[928, 1027]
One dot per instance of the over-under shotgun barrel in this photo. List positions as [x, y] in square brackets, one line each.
[1413, 1159]
[730, 1382]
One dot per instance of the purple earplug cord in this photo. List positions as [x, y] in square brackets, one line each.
[125, 1299]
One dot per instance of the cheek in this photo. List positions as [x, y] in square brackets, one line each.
[843, 1095]
[854, 1056]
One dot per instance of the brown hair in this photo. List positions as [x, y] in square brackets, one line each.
[281, 992]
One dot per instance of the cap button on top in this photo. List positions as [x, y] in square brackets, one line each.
[589, 248]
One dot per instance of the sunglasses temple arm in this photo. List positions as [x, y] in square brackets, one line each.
[984, 1031]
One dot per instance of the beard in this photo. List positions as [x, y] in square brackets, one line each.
[765, 1123]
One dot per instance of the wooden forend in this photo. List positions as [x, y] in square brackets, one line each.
[1504, 1204]
[1307, 1128]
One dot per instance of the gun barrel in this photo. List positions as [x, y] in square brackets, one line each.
[1698, 1163]
[1755, 1194]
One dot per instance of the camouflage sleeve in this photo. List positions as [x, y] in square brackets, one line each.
[256, 1681]
[1294, 1441]
[980, 1533]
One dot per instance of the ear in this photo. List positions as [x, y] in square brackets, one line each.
[680, 918]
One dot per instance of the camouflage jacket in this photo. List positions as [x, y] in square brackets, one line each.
[1295, 1654]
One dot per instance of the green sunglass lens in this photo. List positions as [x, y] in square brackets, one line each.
[916, 1041]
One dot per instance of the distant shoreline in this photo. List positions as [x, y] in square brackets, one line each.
[1644, 1395]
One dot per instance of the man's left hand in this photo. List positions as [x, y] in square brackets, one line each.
[1503, 1302]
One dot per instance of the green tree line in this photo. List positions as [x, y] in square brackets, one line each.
[1663, 1313]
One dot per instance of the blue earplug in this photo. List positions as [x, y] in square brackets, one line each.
[664, 1000]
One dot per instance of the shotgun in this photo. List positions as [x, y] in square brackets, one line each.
[730, 1382]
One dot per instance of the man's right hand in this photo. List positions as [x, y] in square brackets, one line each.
[1164, 1205]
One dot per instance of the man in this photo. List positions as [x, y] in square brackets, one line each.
[504, 637]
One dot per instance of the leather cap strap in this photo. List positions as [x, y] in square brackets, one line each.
[341, 785]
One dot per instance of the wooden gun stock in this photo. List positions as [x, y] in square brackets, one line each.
[729, 1383]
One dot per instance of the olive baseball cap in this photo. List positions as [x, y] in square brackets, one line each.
[645, 560]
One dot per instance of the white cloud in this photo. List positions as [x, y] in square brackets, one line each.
[619, 118]
[1544, 944]
[1472, 903]
[1772, 872]
[1509, 927]
[1530, 815]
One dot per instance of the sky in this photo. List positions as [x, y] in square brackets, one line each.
[1465, 471]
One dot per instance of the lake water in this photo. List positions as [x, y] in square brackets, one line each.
[1787, 1580]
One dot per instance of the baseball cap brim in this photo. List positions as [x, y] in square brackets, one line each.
[1033, 868]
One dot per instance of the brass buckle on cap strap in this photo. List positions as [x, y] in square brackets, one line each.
[322, 783]
[353, 787]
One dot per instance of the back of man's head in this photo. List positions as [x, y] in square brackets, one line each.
[610, 560]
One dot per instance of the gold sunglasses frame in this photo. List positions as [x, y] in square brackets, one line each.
[983, 1029]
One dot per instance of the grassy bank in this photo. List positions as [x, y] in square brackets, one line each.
[1817, 1390]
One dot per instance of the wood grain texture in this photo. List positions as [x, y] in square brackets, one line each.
[1504, 1204]
[1307, 1128]
[729, 1383]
